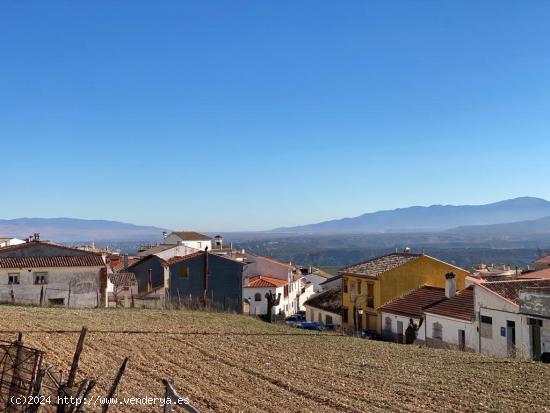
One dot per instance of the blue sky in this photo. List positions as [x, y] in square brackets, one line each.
[234, 115]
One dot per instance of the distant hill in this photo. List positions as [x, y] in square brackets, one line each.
[531, 227]
[72, 229]
[432, 218]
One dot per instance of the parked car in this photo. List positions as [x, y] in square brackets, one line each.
[293, 320]
[310, 325]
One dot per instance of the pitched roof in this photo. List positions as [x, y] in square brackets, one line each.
[543, 260]
[336, 277]
[329, 300]
[123, 279]
[535, 275]
[379, 265]
[460, 306]
[510, 289]
[265, 281]
[191, 236]
[49, 262]
[31, 244]
[156, 249]
[414, 302]
[177, 259]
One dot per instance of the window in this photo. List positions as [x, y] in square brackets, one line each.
[486, 327]
[358, 287]
[320, 318]
[345, 315]
[370, 295]
[258, 297]
[56, 301]
[387, 324]
[437, 331]
[13, 278]
[184, 272]
[41, 278]
[345, 286]
[328, 319]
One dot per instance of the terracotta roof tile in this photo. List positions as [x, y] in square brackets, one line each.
[123, 279]
[55, 261]
[264, 281]
[413, 303]
[379, 265]
[510, 289]
[460, 306]
[535, 275]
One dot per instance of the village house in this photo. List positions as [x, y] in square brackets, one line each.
[255, 290]
[504, 329]
[369, 285]
[190, 239]
[44, 273]
[451, 323]
[325, 307]
[397, 313]
[185, 280]
[534, 304]
[315, 277]
[8, 242]
[122, 289]
[295, 286]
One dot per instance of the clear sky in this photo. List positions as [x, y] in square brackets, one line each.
[234, 115]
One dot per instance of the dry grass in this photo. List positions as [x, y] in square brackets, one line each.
[229, 363]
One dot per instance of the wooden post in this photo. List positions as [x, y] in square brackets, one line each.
[112, 391]
[76, 358]
[15, 379]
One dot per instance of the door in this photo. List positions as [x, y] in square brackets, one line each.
[511, 337]
[461, 339]
[535, 342]
[400, 331]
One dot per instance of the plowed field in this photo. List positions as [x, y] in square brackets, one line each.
[230, 363]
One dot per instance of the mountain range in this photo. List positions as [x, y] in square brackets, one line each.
[521, 211]
[525, 216]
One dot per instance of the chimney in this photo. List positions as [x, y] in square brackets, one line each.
[407, 251]
[450, 285]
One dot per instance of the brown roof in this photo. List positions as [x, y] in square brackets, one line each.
[265, 281]
[48, 262]
[191, 236]
[510, 289]
[329, 300]
[544, 260]
[177, 259]
[460, 306]
[412, 304]
[379, 265]
[535, 275]
[123, 279]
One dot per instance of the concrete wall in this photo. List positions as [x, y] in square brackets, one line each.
[320, 316]
[176, 251]
[141, 271]
[84, 286]
[262, 266]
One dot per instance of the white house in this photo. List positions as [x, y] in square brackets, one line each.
[8, 242]
[122, 289]
[504, 330]
[189, 238]
[335, 281]
[396, 314]
[315, 277]
[451, 323]
[167, 251]
[37, 272]
[255, 290]
[325, 307]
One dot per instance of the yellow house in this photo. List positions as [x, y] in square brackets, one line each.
[369, 285]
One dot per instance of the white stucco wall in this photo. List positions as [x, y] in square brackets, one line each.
[319, 316]
[450, 332]
[500, 310]
[84, 286]
[260, 307]
[10, 242]
[176, 251]
[405, 320]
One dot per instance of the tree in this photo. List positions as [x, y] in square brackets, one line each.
[411, 333]
[272, 301]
